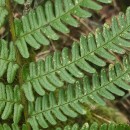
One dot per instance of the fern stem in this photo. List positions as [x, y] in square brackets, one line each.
[11, 21]
[19, 60]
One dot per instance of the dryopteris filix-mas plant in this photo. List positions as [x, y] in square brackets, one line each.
[56, 89]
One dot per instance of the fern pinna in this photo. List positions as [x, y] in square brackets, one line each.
[3, 11]
[95, 126]
[70, 100]
[56, 89]
[37, 27]
[85, 126]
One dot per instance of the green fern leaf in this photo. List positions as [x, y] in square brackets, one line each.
[8, 61]
[85, 126]
[12, 127]
[43, 20]
[95, 126]
[10, 102]
[48, 109]
[89, 52]
[3, 12]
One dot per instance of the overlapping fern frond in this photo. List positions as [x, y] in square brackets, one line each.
[91, 51]
[3, 12]
[10, 102]
[95, 126]
[8, 61]
[38, 26]
[50, 108]
[56, 89]
[85, 126]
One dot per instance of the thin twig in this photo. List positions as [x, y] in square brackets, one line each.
[100, 117]
[72, 38]
[82, 22]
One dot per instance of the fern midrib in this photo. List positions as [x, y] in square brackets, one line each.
[49, 23]
[102, 46]
[11, 101]
[85, 95]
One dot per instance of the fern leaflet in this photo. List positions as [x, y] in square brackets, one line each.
[85, 126]
[95, 126]
[12, 127]
[43, 20]
[10, 102]
[3, 12]
[8, 61]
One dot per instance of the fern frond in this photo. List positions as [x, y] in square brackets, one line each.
[38, 26]
[12, 127]
[85, 126]
[50, 108]
[91, 51]
[3, 12]
[10, 102]
[95, 126]
[8, 61]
